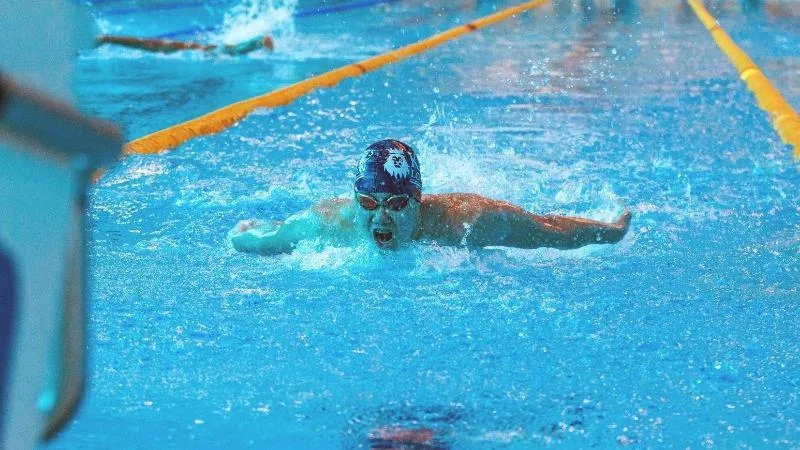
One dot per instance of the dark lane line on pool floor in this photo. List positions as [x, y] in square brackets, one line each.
[302, 13]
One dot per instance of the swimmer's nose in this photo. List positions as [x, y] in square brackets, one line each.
[384, 217]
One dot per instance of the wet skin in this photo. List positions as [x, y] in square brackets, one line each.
[454, 219]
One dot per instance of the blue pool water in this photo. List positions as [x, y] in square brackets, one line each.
[685, 334]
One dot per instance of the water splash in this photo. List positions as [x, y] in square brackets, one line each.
[105, 26]
[251, 19]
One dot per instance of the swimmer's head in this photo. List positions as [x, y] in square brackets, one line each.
[388, 192]
[268, 43]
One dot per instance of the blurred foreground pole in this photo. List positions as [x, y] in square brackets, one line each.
[48, 152]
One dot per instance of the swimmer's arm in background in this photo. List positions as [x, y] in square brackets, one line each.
[166, 46]
[486, 222]
[151, 45]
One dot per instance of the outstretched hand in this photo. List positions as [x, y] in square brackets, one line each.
[245, 225]
[621, 225]
[624, 220]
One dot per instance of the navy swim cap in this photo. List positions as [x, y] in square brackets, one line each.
[391, 167]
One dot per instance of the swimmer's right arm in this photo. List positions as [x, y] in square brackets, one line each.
[167, 46]
[328, 218]
[250, 236]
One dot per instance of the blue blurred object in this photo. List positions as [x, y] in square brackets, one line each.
[48, 153]
[8, 306]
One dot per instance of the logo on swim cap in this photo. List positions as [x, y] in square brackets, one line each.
[389, 166]
[396, 164]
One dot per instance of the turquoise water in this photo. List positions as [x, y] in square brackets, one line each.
[685, 334]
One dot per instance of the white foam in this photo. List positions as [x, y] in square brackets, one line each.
[255, 18]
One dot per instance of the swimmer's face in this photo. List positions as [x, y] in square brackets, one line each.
[388, 220]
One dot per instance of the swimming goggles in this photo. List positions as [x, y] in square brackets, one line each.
[393, 203]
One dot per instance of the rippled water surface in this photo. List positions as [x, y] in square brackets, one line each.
[685, 334]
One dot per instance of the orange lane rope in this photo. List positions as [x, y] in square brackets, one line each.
[223, 118]
[784, 119]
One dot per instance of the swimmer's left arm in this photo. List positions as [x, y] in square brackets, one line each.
[502, 224]
[573, 232]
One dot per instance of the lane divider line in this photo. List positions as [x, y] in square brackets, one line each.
[303, 13]
[319, 10]
[784, 119]
[163, 7]
[223, 118]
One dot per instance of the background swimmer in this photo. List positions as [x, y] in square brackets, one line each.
[167, 46]
[388, 209]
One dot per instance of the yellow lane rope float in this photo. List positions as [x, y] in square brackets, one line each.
[223, 118]
[784, 119]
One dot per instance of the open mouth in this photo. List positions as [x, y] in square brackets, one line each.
[382, 237]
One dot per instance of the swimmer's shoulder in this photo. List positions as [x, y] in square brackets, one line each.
[449, 204]
[443, 215]
[433, 205]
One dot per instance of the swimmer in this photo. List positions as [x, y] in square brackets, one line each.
[388, 209]
[389, 438]
[166, 46]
